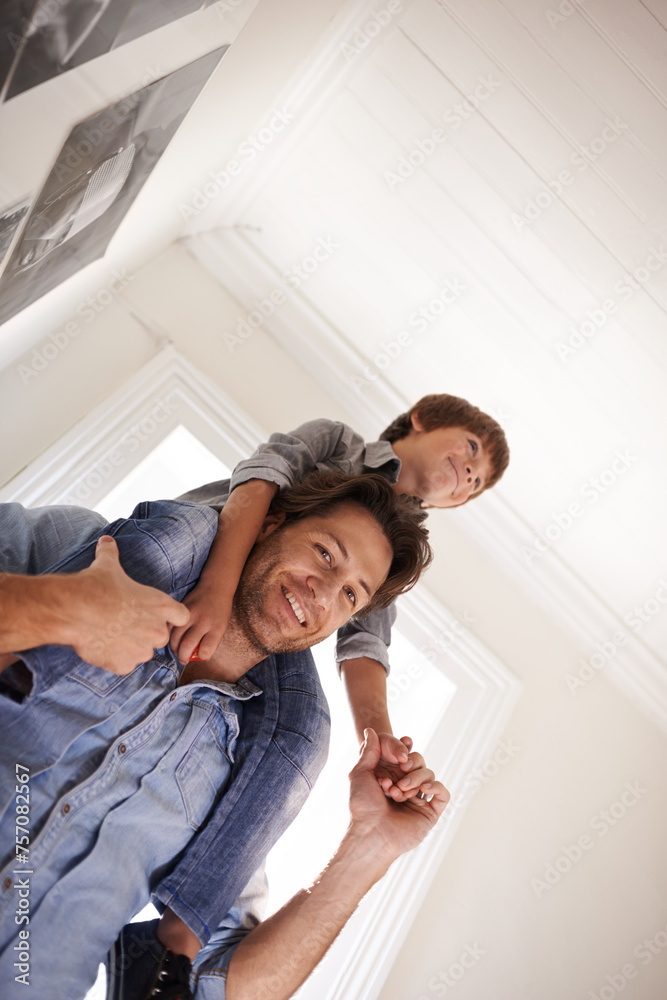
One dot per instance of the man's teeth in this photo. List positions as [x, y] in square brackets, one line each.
[296, 607]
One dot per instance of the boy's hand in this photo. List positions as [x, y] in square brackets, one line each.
[210, 612]
[401, 774]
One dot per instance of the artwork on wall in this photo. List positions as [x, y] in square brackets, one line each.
[41, 38]
[98, 173]
[10, 221]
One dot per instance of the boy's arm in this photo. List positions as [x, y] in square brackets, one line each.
[210, 602]
[112, 621]
[279, 462]
[365, 683]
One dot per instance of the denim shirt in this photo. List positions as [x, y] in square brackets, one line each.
[111, 836]
[62, 723]
[285, 459]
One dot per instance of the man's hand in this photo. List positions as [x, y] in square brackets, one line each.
[112, 621]
[402, 825]
[210, 611]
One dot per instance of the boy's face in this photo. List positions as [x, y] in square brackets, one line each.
[443, 467]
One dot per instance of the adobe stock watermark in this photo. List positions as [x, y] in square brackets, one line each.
[293, 278]
[581, 159]
[506, 751]
[75, 153]
[223, 7]
[246, 152]
[444, 981]
[594, 488]
[419, 320]
[625, 288]
[132, 439]
[565, 9]
[371, 28]
[645, 952]
[600, 824]
[606, 650]
[453, 117]
[58, 341]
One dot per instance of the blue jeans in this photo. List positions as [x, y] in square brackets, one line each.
[280, 750]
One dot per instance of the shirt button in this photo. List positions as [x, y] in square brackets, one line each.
[7, 884]
[66, 808]
[173, 696]
[122, 748]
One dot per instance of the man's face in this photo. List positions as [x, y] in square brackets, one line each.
[304, 580]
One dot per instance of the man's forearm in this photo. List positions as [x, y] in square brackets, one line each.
[112, 621]
[35, 610]
[278, 955]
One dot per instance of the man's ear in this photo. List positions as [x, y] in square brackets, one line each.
[269, 525]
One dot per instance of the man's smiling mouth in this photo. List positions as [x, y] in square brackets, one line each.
[296, 607]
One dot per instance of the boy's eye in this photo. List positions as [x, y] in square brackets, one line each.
[325, 553]
[473, 445]
[478, 483]
[350, 594]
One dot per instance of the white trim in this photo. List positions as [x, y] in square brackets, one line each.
[557, 588]
[297, 326]
[102, 448]
[359, 962]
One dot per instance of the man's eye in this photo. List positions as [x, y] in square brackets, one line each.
[351, 595]
[325, 553]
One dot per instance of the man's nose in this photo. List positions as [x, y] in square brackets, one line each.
[323, 588]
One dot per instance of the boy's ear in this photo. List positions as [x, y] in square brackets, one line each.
[416, 422]
[270, 523]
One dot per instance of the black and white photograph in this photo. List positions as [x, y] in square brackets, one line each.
[100, 170]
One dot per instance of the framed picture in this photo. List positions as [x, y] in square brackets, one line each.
[98, 173]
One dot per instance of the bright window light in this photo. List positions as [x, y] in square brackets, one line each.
[179, 463]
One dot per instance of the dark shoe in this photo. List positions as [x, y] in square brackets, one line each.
[140, 968]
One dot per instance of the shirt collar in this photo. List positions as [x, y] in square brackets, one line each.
[380, 456]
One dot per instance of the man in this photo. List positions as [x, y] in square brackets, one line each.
[250, 960]
[108, 768]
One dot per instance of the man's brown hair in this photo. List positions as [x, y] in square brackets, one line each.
[441, 410]
[400, 518]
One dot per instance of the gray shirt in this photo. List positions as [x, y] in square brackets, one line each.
[285, 459]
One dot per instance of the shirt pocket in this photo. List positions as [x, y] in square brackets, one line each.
[204, 771]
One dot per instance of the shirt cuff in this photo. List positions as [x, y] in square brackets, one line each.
[362, 644]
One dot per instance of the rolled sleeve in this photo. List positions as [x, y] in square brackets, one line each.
[369, 636]
[211, 965]
[286, 458]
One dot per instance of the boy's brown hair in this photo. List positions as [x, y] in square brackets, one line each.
[399, 517]
[442, 410]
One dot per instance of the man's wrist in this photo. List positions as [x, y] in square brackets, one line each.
[365, 854]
